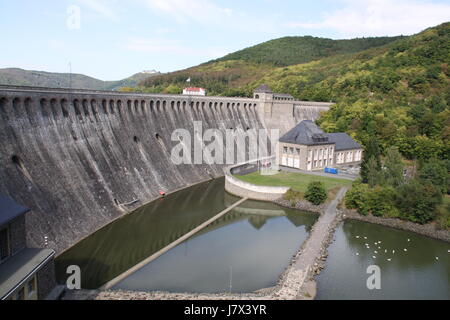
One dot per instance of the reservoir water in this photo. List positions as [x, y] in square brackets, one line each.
[420, 272]
[248, 248]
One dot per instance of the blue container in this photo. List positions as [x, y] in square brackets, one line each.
[331, 170]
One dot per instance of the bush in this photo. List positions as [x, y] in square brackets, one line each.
[417, 201]
[381, 202]
[293, 195]
[443, 216]
[357, 198]
[316, 193]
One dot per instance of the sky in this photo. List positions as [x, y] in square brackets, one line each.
[113, 39]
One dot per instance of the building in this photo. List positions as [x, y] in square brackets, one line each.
[25, 273]
[283, 111]
[194, 91]
[307, 147]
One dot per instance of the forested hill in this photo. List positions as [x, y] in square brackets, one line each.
[20, 77]
[398, 93]
[229, 75]
[295, 50]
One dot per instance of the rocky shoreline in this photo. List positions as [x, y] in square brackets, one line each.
[301, 205]
[429, 230]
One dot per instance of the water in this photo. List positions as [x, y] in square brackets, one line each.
[256, 240]
[251, 246]
[411, 274]
[246, 252]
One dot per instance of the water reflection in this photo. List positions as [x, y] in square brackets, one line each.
[255, 240]
[124, 243]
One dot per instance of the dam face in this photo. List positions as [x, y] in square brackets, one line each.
[74, 156]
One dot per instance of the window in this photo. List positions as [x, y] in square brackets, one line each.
[297, 151]
[21, 294]
[285, 150]
[31, 286]
[291, 150]
[4, 244]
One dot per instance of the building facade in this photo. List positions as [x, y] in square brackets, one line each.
[25, 273]
[307, 147]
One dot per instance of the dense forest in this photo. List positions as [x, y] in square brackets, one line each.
[232, 74]
[296, 50]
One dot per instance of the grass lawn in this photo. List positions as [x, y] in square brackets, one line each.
[296, 181]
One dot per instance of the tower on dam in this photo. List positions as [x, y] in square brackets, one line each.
[79, 159]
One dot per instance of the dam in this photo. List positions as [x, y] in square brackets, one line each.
[80, 159]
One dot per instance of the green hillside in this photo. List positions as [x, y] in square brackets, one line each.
[295, 50]
[231, 74]
[20, 77]
[399, 93]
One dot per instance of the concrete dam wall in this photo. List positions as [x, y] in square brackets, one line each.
[74, 156]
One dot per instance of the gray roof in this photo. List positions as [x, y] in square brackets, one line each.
[9, 209]
[306, 133]
[264, 88]
[343, 141]
[19, 267]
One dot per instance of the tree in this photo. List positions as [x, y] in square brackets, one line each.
[316, 193]
[374, 176]
[394, 167]
[372, 150]
[417, 201]
[435, 172]
[356, 198]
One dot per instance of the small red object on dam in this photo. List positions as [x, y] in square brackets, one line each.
[162, 193]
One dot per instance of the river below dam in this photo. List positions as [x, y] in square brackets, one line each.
[249, 247]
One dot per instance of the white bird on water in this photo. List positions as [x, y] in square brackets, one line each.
[405, 250]
[374, 257]
[437, 258]
[389, 259]
[385, 250]
[357, 237]
[376, 252]
[357, 254]
[409, 240]
[365, 238]
[393, 251]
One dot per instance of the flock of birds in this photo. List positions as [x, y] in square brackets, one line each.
[379, 250]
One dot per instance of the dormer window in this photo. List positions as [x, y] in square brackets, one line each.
[4, 244]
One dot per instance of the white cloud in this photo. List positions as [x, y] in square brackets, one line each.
[167, 46]
[380, 17]
[186, 10]
[102, 7]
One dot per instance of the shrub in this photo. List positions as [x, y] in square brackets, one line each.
[443, 216]
[293, 195]
[381, 202]
[357, 197]
[316, 193]
[417, 201]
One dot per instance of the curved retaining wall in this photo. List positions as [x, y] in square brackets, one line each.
[244, 189]
[73, 156]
